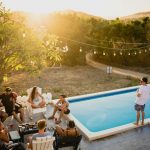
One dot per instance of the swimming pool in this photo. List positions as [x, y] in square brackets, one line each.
[102, 114]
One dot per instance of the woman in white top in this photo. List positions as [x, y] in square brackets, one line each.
[36, 99]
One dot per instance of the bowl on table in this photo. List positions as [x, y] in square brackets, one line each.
[31, 124]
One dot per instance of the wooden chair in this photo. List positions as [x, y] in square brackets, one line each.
[43, 143]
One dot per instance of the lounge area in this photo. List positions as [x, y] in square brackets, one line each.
[74, 75]
[132, 140]
[36, 121]
[21, 132]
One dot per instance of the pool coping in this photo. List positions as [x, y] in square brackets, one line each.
[104, 133]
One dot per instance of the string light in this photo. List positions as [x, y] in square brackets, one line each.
[136, 51]
[120, 53]
[80, 49]
[65, 49]
[95, 52]
[23, 35]
[47, 43]
[104, 53]
[96, 46]
[114, 54]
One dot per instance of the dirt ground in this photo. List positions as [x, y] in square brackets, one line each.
[71, 81]
[139, 69]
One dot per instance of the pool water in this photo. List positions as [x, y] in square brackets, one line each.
[105, 112]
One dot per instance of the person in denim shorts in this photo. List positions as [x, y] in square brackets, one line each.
[142, 95]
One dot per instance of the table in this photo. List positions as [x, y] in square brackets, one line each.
[25, 130]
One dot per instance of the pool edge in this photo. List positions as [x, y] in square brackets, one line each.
[105, 133]
[108, 132]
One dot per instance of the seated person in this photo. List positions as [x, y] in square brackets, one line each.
[69, 131]
[3, 116]
[4, 136]
[62, 105]
[8, 100]
[41, 133]
[36, 99]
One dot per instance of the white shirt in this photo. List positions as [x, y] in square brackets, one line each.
[144, 91]
[37, 100]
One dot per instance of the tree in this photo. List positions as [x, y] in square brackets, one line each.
[53, 53]
[18, 47]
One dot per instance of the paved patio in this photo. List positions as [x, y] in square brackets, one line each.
[136, 139]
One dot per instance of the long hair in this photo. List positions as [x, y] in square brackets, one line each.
[33, 93]
[71, 124]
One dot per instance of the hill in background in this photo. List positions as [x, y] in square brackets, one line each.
[136, 16]
[33, 18]
[79, 14]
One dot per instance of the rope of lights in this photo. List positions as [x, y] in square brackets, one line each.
[104, 53]
[97, 46]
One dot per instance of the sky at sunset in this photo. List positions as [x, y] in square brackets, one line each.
[104, 8]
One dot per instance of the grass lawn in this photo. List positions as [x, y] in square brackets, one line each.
[71, 81]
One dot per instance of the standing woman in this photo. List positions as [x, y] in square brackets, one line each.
[36, 99]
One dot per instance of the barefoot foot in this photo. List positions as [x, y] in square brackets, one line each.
[136, 123]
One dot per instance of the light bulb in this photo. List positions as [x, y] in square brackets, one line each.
[23, 35]
[95, 52]
[80, 49]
